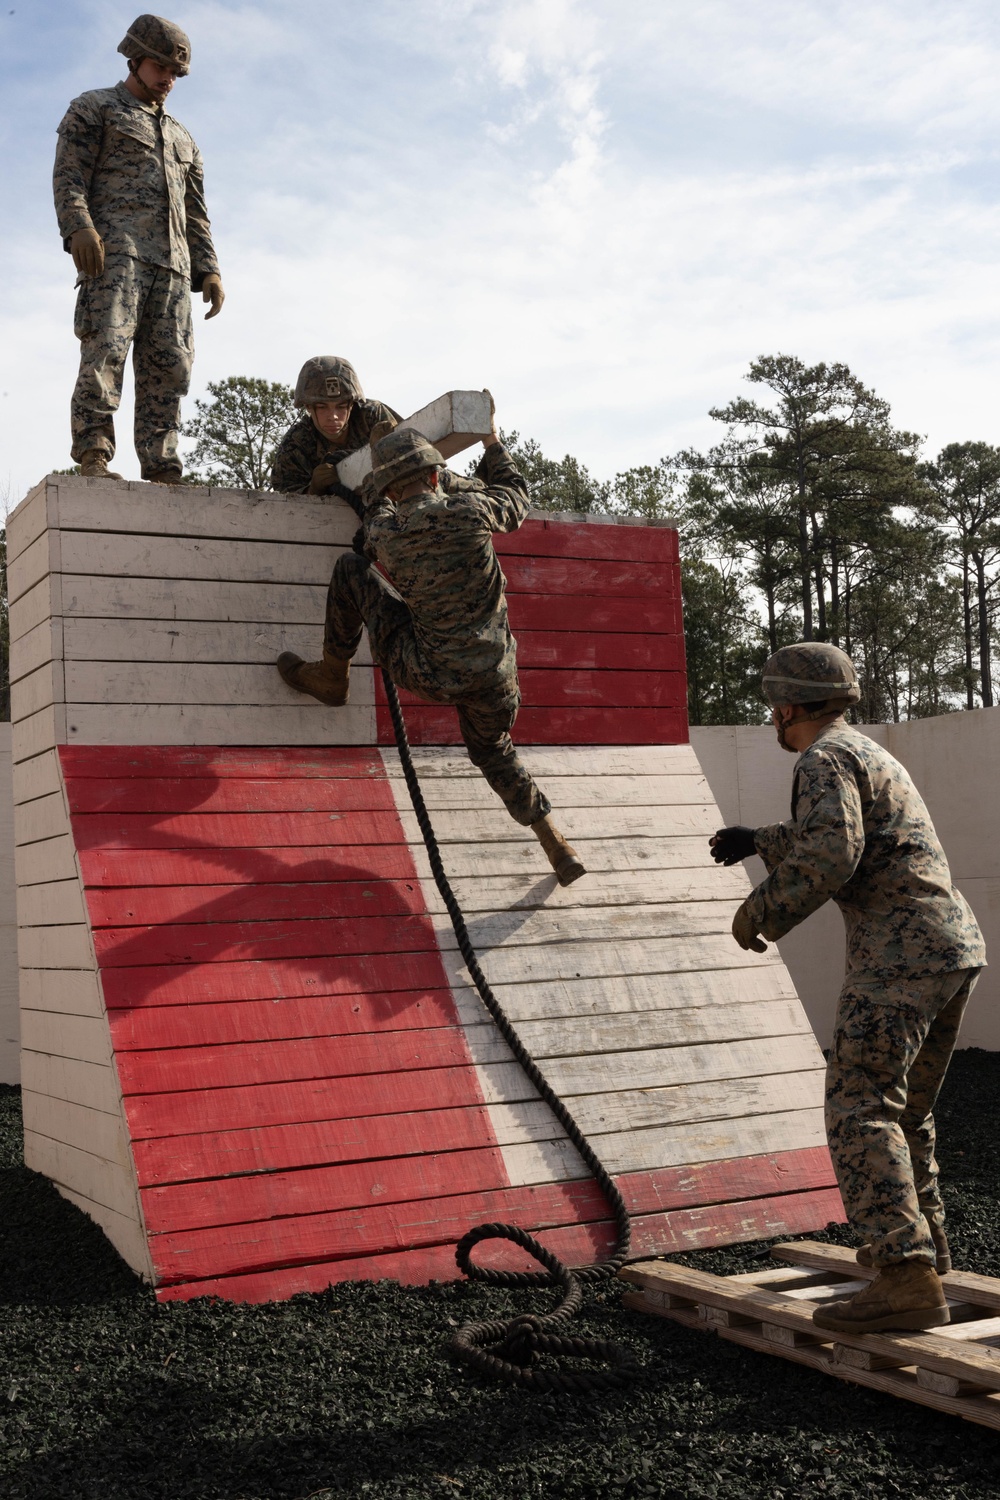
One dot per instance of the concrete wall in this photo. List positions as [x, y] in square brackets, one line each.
[9, 1027]
[955, 762]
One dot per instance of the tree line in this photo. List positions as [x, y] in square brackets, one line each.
[813, 517]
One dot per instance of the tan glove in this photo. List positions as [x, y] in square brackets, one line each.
[322, 477]
[745, 931]
[87, 250]
[211, 291]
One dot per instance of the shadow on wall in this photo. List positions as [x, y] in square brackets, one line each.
[953, 761]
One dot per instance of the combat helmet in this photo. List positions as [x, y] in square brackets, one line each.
[811, 672]
[400, 455]
[163, 41]
[327, 377]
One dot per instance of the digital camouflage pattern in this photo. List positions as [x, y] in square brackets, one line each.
[303, 448]
[862, 837]
[164, 41]
[442, 632]
[133, 173]
[892, 1045]
[810, 672]
[150, 308]
[402, 455]
[327, 377]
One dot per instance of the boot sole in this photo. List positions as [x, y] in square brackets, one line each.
[929, 1317]
[286, 673]
[570, 869]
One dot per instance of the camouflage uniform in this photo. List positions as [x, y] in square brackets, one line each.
[442, 631]
[133, 173]
[862, 837]
[303, 447]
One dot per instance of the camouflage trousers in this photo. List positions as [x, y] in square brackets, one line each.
[149, 308]
[360, 595]
[891, 1048]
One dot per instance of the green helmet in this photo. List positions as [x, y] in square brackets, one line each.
[152, 36]
[401, 454]
[327, 377]
[810, 672]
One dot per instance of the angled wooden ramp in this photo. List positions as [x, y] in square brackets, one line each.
[955, 1369]
[251, 1050]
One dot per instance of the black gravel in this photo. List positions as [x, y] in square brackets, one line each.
[106, 1395]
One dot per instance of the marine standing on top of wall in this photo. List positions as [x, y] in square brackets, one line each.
[336, 420]
[130, 201]
[860, 835]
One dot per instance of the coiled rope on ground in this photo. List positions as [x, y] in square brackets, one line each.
[511, 1349]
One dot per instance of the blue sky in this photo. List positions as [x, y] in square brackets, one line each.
[602, 211]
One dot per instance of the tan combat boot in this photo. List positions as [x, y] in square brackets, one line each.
[906, 1295]
[94, 465]
[864, 1255]
[165, 476]
[561, 856]
[328, 680]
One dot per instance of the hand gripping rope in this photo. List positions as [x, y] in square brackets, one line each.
[510, 1350]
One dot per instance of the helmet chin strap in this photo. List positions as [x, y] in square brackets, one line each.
[809, 716]
[148, 97]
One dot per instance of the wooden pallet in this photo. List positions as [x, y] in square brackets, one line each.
[954, 1369]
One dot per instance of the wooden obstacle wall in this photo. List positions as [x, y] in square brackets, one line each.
[251, 1050]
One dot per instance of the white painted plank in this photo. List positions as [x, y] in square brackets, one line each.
[93, 1085]
[125, 1231]
[473, 793]
[303, 722]
[38, 777]
[518, 855]
[30, 518]
[42, 818]
[38, 690]
[602, 888]
[452, 422]
[50, 859]
[663, 956]
[118, 555]
[83, 1037]
[168, 683]
[602, 1038]
[50, 902]
[196, 511]
[43, 730]
[38, 604]
[194, 641]
[561, 930]
[32, 650]
[33, 564]
[93, 1130]
[71, 992]
[108, 1183]
[432, 761]
[576, 823]
[192, 599]
[68, 947]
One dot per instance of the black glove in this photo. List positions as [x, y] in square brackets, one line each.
[730, 845]
[358, 542]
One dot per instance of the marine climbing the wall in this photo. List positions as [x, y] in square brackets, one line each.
[336, 420]
[440, 628]
[860, 835]
[129, 195]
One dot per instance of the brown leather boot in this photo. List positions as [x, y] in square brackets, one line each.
[94, 465]
[906, 1295]
[561, 856]
[864, 1255]
[328, 680]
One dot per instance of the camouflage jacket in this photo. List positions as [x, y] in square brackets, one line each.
[438, 550]
[304, 446]
[862, 837]
[134, 174]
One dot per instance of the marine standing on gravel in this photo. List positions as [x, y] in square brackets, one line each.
[442, 631]
[861, 836]
[131, 208]
[336, 420]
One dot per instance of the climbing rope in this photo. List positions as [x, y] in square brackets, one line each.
[510, 1350]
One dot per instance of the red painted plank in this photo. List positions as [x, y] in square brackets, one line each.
[794, 1213]
[246, 866]
[197, 984]
[593, 614]
[588, 539]
[235, 830]
[242, 1065]
[202, 795]
[117, 762]
[583, 649]
[607, 577]
[225, 1153]
[407, 1180]
[228, 942]
[161, 905]
[429, 724]
[280, 1019]
[294, 1103]
[598, 689]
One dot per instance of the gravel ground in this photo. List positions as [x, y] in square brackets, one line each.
[105, 1395]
